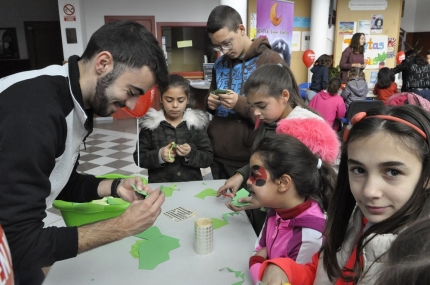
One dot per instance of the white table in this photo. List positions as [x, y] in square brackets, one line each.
[113, 264]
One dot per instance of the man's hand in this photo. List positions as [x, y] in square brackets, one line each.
[126, 192]
[140, 215]
[213, 101]
[229, 99]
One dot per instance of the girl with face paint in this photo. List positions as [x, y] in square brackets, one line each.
[287, 177]
[272, 93]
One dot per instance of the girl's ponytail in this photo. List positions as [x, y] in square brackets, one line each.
[327, 181]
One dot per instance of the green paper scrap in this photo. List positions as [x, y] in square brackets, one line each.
[150, 233]
[103, 201]
[206, 193]
[203, 183]
[154, 252]
[168, 191]
[135, 248]
[237, 274]
[113, 201]
[225, 218]
[217, 223]
[242, 193]
[142, 192]
[170, 150]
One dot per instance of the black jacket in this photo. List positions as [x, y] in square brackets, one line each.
[156, 133]
[319, 78]
[42, 125]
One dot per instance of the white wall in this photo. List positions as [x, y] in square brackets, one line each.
[416, 16]
[93, 12]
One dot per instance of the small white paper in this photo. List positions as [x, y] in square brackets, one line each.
[296, 41]
[306, 39]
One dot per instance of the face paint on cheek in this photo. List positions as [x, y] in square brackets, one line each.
[258, 175]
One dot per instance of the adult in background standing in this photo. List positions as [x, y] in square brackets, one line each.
[39, 146]
[352, 56]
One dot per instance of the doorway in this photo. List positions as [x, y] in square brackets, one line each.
[44, 44]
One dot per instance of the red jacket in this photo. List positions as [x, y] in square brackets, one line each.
[384, 94]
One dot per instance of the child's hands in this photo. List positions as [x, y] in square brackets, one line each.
[233, 184]
[168, 153]
[229, 99]
[183, 149]
[262, 252]
[274, 275]
[213, 101]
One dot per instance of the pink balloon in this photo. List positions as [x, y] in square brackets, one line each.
[143, 104]
[308, 57]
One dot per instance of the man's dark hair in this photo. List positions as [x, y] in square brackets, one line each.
[131, 46]
[223, 17]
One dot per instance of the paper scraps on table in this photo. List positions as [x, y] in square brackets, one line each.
[225, 218]
[242, 193]
[179, 214]
[206, 193]
[153, 249]
[238, 274]
[218, 223]
[168, 191]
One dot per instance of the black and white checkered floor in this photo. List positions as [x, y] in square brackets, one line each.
[109, 149]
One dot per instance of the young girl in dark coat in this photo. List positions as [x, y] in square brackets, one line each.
[173, 142]
[319, 76]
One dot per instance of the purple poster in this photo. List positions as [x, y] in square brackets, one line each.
[275, 21]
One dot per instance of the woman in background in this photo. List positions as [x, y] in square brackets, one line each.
[352, 56]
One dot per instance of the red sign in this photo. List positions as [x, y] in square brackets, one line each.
[68, 9]
[6, 273]
[69, 18]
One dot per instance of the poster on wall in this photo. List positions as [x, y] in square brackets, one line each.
[377, 24]
[275, 21]
[346, 28]
[391, 47]
[253, 26]
[375, 50]
[364, 27]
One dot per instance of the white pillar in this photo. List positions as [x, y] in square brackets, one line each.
[319, 27]
[240, 6]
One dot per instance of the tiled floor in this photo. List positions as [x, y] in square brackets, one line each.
[109, 149]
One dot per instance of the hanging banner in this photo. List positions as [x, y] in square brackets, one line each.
[275, 21]
[375, 50]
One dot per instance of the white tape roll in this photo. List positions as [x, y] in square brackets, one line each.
[203, 236]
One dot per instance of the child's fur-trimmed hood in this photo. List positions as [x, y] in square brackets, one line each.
[193, 118]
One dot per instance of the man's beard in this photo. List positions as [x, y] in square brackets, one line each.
[100, 103]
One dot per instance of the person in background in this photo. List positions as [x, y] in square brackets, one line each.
[382, 187]
[319, 76]
[296, 194]
[404, 67]
[174, 124]
[272, 93]
[231, 129]
[408, 259]
[428, 56]
[356, 88]
[385, 85]
[40, 146]
[352, 56]
[329, 104]
[418, 76]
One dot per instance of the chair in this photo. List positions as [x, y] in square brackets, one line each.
[303, 88]
[357, 107]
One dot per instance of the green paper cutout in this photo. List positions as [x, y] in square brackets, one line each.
[135, 248]
[206, 193]
[153, 249]
[103, 201]
[170, 150]
[203, 183]
[217, 223]
[168, 191]
[154, 252]
[142, 192]
[225, 218]
[150, 233]
[112, 201]
[237, 274]
[242, 193]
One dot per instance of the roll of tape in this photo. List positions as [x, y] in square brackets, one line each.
[203, 236]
